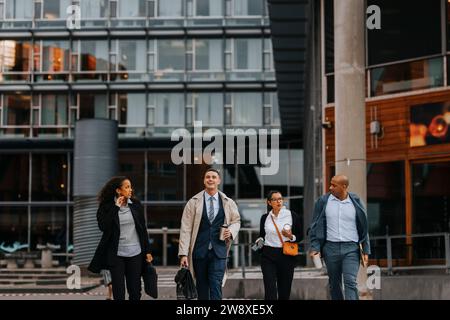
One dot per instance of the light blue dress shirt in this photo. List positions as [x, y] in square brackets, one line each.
[341, 220]
[215, 203]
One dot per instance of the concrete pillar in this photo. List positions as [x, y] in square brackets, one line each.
[350, 126]
[95, 162]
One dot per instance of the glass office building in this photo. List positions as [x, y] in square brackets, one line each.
[151, 65]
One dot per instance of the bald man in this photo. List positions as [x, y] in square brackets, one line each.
[338, 228]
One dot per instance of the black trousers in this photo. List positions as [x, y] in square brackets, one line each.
[129, 269]
[278, 272]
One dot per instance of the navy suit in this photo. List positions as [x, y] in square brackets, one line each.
[209, 264]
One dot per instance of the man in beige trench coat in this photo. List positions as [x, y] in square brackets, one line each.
[201, 248]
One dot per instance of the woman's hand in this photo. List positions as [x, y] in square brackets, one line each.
[149, 257]
[287, 234]
[120, 201]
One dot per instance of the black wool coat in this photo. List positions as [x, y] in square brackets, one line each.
[105, 255]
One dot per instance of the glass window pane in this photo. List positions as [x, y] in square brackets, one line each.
[94, 55]
[431, 207]
[132, 165]
[93, 105]
[169, 109]
[173, 8]
[15, 56]
[407, 76]
[247, 54]
[132, 109]
[49, 178]
[55, 56]
[209, 8]
[171, 55]
[14, 228]
[247, 109]
[16, 109]
[209, 109]
[132, 55]
[19, 9]
[55, 9]
[208, 54]
[14, 174]
[49, 226]
[165, 180]
[248, 7]
[132, 8]
[93, 8]
[386, 198]
[54, 109]
[275, 109]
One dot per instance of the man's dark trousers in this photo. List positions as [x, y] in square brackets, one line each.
[342, 259]
[209, 273]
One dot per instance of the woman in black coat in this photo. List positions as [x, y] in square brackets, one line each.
[278, 268]
[124, 247]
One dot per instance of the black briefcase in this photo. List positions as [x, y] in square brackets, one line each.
[150, 280]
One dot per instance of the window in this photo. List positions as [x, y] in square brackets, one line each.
[171, 55]
[55, 56]
[131, 165]
[132, 108]
[55, 9]
[92, 105]
[54, 110]
[431, 207]
[19, 9]
[14, 175]
[49, 177]
[409, 30]
[429, 124]
[132, 8]
[248, 109]
[208, 108]
[208, 54]
[94, 55]
[15, 56]
[131, 55]
[248, 7]
[407, 76]
[49, 225]
[94, 8]
[173, 8]
[247, 54]
[165, 180]
[14, 226]
[16, 109]
[169, 109]
[208, 8]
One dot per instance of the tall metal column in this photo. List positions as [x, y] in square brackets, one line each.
[95, 162]
[350, 127]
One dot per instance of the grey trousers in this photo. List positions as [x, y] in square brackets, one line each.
[342, 259]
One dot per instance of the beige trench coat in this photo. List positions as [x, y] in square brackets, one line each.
[190, 223]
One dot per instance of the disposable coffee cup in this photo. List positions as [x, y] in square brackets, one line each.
[287, 227]
[317, 261]
[222, 232]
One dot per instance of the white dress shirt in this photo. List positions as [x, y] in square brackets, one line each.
[215, 202]
[341, 220]
[271, 239]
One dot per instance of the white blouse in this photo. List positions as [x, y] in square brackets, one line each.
[271, 239]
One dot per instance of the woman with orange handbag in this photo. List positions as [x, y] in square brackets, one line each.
[280, 231]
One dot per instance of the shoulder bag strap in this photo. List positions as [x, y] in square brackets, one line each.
[276, 228]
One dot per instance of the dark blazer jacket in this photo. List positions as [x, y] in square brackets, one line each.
[108, 221]
[318, 228]
[296, 227]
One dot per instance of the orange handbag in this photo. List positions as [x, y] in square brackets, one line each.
[289, 248]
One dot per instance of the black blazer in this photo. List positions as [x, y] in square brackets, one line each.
[108, 221]
[296, 227]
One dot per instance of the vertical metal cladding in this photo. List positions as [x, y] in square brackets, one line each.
[95, 162]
